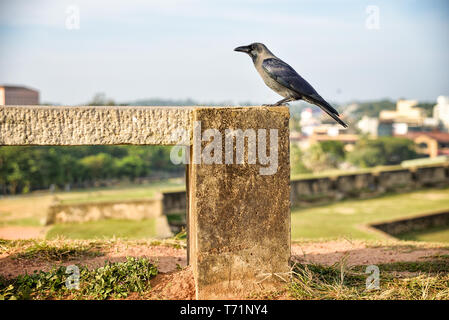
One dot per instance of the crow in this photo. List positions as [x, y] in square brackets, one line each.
[284, 80]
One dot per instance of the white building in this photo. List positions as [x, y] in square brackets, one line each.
[368, 125]
[309, 121]
[441, 111]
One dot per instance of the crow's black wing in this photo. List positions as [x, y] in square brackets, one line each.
[286, 76]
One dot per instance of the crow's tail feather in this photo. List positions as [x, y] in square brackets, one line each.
[326, 107]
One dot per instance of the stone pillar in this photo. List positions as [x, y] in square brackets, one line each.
[239, 214]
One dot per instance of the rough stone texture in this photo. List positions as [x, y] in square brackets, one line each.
[394, 180]
[431, 175]
[239, 220]
[355, 183]
[58, 125]
[174, 202]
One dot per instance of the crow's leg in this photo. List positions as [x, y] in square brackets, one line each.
[283, 101]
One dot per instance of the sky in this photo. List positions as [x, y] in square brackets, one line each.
[176, 49]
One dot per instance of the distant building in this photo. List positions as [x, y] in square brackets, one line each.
[329, 129]
[406, 111]
[441, 112]
[368, 125]
[308, 121]
[432, 144]
[408, 118]
[15, 95]
[375, 127]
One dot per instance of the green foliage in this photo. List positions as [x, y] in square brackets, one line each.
[334, 148]
[181, 235]
[296, 160]
[113, 280]
[23, 169]
[382, 151]
[323, 156]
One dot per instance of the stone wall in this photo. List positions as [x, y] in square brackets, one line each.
[345, 186]
[83, 212]
[174, 202]
[423, 222]
[367, 184]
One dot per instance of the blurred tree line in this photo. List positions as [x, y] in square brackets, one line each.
[27, 168]
[367, 153]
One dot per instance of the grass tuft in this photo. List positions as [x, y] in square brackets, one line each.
[59, 251]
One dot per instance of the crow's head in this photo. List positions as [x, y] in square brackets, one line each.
[253, 50]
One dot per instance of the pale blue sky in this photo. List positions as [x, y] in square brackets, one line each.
[184, 49]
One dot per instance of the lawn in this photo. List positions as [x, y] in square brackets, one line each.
[31, 209]
[133, 192]
[127, 229]
[347, 218]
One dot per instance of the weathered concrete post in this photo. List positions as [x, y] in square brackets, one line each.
[239, 205]
[239, 214]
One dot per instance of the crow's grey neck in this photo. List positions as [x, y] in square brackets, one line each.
[262, 56]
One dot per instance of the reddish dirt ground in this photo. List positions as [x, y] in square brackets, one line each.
[175, 280]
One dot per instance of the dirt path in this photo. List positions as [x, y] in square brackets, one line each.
[361, 253]
[16, 233]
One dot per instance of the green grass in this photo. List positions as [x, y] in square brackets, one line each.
[26, 222]
[113, 280]
[126, 193]
[30, 209]
[440, 234]
[346, 218]
[127, 229]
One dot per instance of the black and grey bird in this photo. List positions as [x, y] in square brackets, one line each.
[284, 80]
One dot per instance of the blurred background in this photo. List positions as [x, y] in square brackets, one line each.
[383, 64]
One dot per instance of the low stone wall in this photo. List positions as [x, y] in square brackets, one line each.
[174, 202]
[394, 180]
[370, 183]
[344, 186]
[83, 212]
[396, 227]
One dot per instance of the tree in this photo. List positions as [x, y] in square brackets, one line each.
[317, 159]
[297, 164]
[382, 151]
[98, 166]
[130, 166]
[335, 148]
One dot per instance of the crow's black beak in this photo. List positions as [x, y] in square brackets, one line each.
[245, 49]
